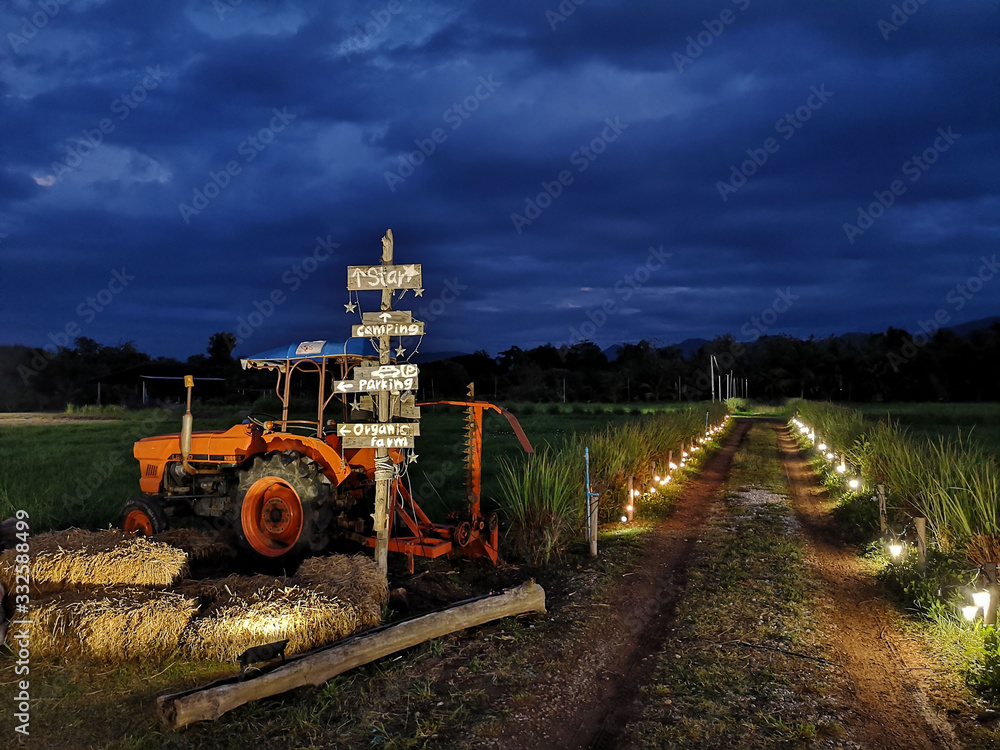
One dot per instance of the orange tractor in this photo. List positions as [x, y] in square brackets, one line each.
[288, 486]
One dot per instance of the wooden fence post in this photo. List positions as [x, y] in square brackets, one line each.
[630, 500]
[921, 526]
[990, 615]
[881, 508]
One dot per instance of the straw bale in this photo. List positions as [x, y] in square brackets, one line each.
[354, 578]
[98, 558]
[279, 610]
[126, 623]
[198, 545]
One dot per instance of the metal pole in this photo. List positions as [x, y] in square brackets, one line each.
[881, 508]
[711, 374]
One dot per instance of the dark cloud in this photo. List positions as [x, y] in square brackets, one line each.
[318, 121]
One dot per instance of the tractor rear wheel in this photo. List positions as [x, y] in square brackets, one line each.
[278, 506]
[143, 516]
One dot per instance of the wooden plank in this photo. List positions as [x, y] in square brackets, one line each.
[371, 330]
[387, 316]
[375, 385]
[369, 429]
[352, 442]
[405, 409]
[385, 371]
[377, 278]
[209, 702]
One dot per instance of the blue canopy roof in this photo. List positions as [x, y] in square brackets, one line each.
[310, 350]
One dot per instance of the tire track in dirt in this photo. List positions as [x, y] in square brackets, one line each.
[886, 676]
[593, 690]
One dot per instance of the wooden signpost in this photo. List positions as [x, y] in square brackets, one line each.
[388, 384]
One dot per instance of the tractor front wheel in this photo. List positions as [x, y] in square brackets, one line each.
[142, 516]
[278, 502]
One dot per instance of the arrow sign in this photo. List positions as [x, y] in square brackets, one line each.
[378, 429]
[369, 330]
[366, 278]
[387, 316]
[371, 385]
[385, 371]
[388, 441]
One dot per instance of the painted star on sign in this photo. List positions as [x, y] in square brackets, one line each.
[410, 270]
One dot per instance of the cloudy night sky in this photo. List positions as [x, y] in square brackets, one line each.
[181, 165]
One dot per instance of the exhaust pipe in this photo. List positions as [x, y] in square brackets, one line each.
[187, 423]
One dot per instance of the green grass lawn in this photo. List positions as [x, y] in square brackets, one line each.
[934, 419]
[81, 474]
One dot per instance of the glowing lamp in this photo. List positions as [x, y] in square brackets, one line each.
[969, 612]
[656, 478]
[854, 484]
[981, 599]
[841, 469]
[673, 465]
[829, 456]
[652, 490]
[895, 549]
[628, 507]
[684, 454]
[822, 446]
[624, 519]
[804, 430]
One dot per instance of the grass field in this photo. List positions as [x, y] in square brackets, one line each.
[81, 473]
[933, 419]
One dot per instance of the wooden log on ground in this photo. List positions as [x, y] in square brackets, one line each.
[211, 701]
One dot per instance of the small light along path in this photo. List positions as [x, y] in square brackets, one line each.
[590, 693]
[887, 681]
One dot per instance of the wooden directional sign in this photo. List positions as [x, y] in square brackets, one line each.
[375, 385]
[378, 429]
[404, 407]
[377, 441]
[363, 330]
[368, 278]
[385, 371]
[388, 316]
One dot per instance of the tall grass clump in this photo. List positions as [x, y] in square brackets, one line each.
[542, 499]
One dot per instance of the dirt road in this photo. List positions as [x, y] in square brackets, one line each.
[592, 691]
[887, 678]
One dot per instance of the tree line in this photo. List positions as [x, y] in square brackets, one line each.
[890, 366]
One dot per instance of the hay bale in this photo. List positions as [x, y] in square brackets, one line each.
[98, 558]
[279, 610]
[328, 599]
[354, 578]
[122, 624]
[199, 546]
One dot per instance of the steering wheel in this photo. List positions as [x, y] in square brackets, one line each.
[259, 418]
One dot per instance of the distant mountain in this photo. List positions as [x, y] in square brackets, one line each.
[963, 329]
[612, 352]
[691, 346]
